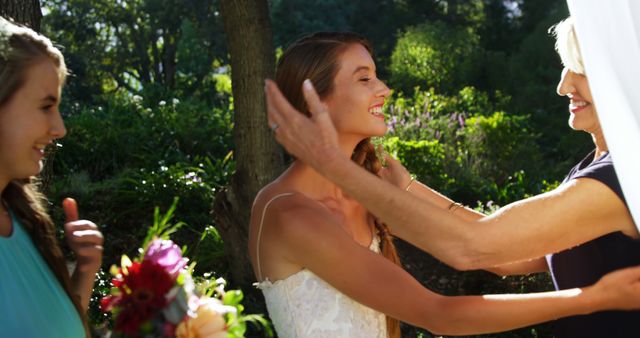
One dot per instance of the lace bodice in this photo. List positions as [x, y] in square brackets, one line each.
[305, 306]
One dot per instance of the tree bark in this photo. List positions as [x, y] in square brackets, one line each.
[258, 157]
[26, 12]
[169, 64]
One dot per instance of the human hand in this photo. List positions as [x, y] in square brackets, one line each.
[395, 173]
[83, 238]
[312, 140]
[620, 289]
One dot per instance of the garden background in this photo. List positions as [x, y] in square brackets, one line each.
[165, 100]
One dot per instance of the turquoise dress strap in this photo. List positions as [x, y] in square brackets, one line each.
[32, 301]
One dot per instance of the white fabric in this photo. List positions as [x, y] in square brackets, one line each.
[305, 306]
[609, 37]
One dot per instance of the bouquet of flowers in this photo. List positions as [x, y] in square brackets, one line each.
[155, 295]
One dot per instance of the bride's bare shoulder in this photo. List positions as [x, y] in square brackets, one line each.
[288, 217]
[282, 196]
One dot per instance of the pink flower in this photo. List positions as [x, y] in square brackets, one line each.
[166, 254]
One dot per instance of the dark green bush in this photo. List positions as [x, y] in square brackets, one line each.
[127, 133]
[127, 156]
[424, 158]
[436, 55]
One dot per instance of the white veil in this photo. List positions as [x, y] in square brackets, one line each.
[609, 37]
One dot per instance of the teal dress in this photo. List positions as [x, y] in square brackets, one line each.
[33, 304]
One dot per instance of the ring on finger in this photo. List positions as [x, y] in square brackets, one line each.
[274, 127]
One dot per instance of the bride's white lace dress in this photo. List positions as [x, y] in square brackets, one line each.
[304, 306]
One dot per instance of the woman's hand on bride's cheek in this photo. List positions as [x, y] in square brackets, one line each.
[313, 140]
[395, 173]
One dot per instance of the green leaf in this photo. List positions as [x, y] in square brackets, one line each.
[232, 297]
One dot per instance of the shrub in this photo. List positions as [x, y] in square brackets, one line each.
[435, 55]
[123, 158]
[464, 146]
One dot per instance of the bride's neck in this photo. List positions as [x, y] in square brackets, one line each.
[313, 183]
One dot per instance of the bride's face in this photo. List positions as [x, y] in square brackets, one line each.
[358, 95]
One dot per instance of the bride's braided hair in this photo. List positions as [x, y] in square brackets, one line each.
[316, 57]
[365, 155]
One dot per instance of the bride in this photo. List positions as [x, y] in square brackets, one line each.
[328, 268]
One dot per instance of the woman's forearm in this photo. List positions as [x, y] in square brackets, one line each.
[82, 285]
[466, 315]
[427, 194]
[574, 213]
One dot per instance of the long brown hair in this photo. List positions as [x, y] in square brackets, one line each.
[316, 57]
[21, 48]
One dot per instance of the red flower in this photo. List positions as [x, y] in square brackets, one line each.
[142, 296]
[107, 302]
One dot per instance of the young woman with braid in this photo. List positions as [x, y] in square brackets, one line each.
[316, 251]
[38, 298]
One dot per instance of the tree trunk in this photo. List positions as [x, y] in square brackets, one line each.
[26, 12]
[258, 157]
[169, 64]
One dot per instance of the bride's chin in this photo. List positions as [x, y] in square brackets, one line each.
[382, 131]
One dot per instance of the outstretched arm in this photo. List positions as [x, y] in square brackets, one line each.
[312, 239]
[398, 175]
[570, 215]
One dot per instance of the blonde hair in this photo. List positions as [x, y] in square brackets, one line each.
[567, 45]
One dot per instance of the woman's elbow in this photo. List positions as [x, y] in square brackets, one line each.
[464, 260]
[468, 252]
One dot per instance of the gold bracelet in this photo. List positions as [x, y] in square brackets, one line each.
[410, 183]
[454, 205]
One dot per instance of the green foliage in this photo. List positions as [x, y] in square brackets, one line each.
[239, 320]
[130, 132]
[292, 19]
[464, 146]
[161, 227]
[295, 18]
[123, 158]
[209, 251]
[132, 44]
[498, 145]
[435, 55]
[428, 114]
[424, 158]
